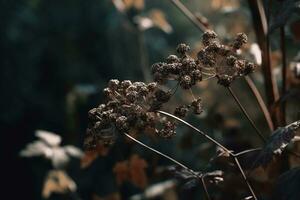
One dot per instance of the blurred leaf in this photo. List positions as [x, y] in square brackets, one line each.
[287, 9]
[280, 138]
[58, 181]
[48, 148]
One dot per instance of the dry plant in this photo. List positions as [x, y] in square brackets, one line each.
[132, 108]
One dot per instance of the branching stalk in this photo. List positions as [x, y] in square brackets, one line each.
[197, 130]
[245, 177]
[189, 15]
[246, 114]
[200, 176]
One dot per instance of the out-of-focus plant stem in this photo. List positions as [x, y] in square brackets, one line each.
[260, 102]
[202, 27]
[260, 22]
[284, 72]
[246, 114]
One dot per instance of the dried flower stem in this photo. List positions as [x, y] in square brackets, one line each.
[284, 72]
[205, 188]
[245, 177]
[201, 177]
[219, 145]
[189, 15]
[197, 130]
[260, 102]
[246, 114]
[260, 21]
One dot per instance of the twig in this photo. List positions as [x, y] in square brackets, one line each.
[245, 177]
[189, 15]
[197, 130]
[260, 22]
[160, 153]
[219, 145]
[260, 101]
[246, 114]
[284, 72]
[205, 188]
[200, 176]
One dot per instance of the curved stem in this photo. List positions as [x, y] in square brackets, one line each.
[189, 15]
[197, 130]
[200, 176]
[245, 178]
[260, 102]
[205, 188]
[246, 114]
[283, 72]
[162, 154]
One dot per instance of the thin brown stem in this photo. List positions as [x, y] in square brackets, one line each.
[200, 176]
[189, 15]
[246, 114]
[245, 177]
[260, 102]
[205, 188]
[161, 154]
[197, 130]
[284, 72]
[260, 22]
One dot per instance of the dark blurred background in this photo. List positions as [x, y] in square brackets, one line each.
[48, 50]
[56, 56]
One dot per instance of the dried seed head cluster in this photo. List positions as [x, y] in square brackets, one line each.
[215, 59]
[196, 106]
[182, 68]
[132, 105]
[223, 59]
[128, 106]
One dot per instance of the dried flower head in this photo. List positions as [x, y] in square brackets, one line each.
[129, 105]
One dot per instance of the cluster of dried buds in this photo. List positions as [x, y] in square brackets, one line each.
[129, 107]
[223, 59]
[214, 60]
[132, 106]
[184, 69]
[196, 106]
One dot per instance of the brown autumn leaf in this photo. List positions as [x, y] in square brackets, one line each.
[121, 171]
[137, 171]
[57, 181]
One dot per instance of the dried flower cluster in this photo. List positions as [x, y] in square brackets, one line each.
[132, 105]
[223, 59]
[129, 106]
[215, 59]
[196, 106]
[184, 69]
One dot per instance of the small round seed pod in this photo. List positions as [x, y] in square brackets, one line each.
[230, 60]
[182, 49]
[208, 37]
[113, 84]
[172, 59]
[185, 82]
[181, 111]
[240, 40]
[225, 80]
[197, 106]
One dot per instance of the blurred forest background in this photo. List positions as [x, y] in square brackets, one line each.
[57, 56]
